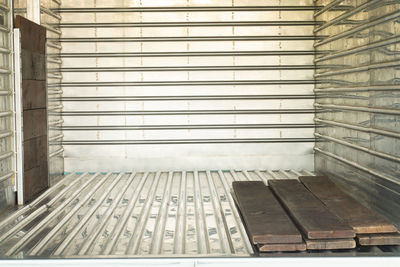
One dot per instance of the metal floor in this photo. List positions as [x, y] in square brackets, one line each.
[134, 214]
[157, 214]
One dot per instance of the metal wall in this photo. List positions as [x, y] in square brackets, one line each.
[187, 84]
[358, 100]
[7, 163]
[41, 11]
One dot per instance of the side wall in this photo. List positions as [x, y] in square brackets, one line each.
[49, 20]
[358, 101]
[7, 178]
[187, 84]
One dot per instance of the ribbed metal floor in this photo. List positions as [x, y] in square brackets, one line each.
[134, 214]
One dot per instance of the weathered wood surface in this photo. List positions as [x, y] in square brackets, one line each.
[362, 219]
[310, 214]
[34, 103]
[265, 219]
[282, 247]
[379, 239]
[323, 244]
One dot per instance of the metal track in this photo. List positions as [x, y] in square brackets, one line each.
[172, 214]
[142, 214]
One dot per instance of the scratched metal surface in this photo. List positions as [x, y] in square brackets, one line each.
[361, 146]
[166, 214]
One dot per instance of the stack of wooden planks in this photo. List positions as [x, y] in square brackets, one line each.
[371, 228]
[268, 226]
[312, 214]
[321, 229]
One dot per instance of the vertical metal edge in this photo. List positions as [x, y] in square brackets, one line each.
[18, 145]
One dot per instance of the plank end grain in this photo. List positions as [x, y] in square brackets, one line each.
[282, 247]
[379, 239]
[324, 244]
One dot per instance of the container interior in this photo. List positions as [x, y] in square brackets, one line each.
[155, 107]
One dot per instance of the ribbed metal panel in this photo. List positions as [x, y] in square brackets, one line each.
[7, 163]
[48, 19]
[360, 101]
[229, 81]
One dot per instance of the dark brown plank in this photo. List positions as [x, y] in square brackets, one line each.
[265, 219]
[362, 219]
[322, 244]
[309, 213]
[379, 239]
[34, 97]
[282, 247]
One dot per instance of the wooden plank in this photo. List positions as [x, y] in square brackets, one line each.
[35, 123]
[309, 213]
[33, 36]
[34, 97]
[323, 244]
[281, 247]
[265, 219]
[379, 239]
[34, 94]
[362, 219]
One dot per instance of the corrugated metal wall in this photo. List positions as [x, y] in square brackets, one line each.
[6, 107]
[187, 84]
[47, 19]
[358, 100]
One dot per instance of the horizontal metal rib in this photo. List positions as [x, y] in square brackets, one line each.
[359, 128]
[184, 112]
[4, 8]
[328, 7]
[191, 54]
[185, 127]
[6, 155]
[56, 153]
[49, 12]
[358, 166]
[180, 83]
[185, 68]
[358, 147]
[387, 111]
[188, 141]
[191, 9]
[358, 49]
[347, 15]
[182, 98]
[6, 176]
[188, 24]
[357, 89]
[381, 65]
[359, 28]
[5, 114]
[189, 39]
[54, 44]
[51, 29]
